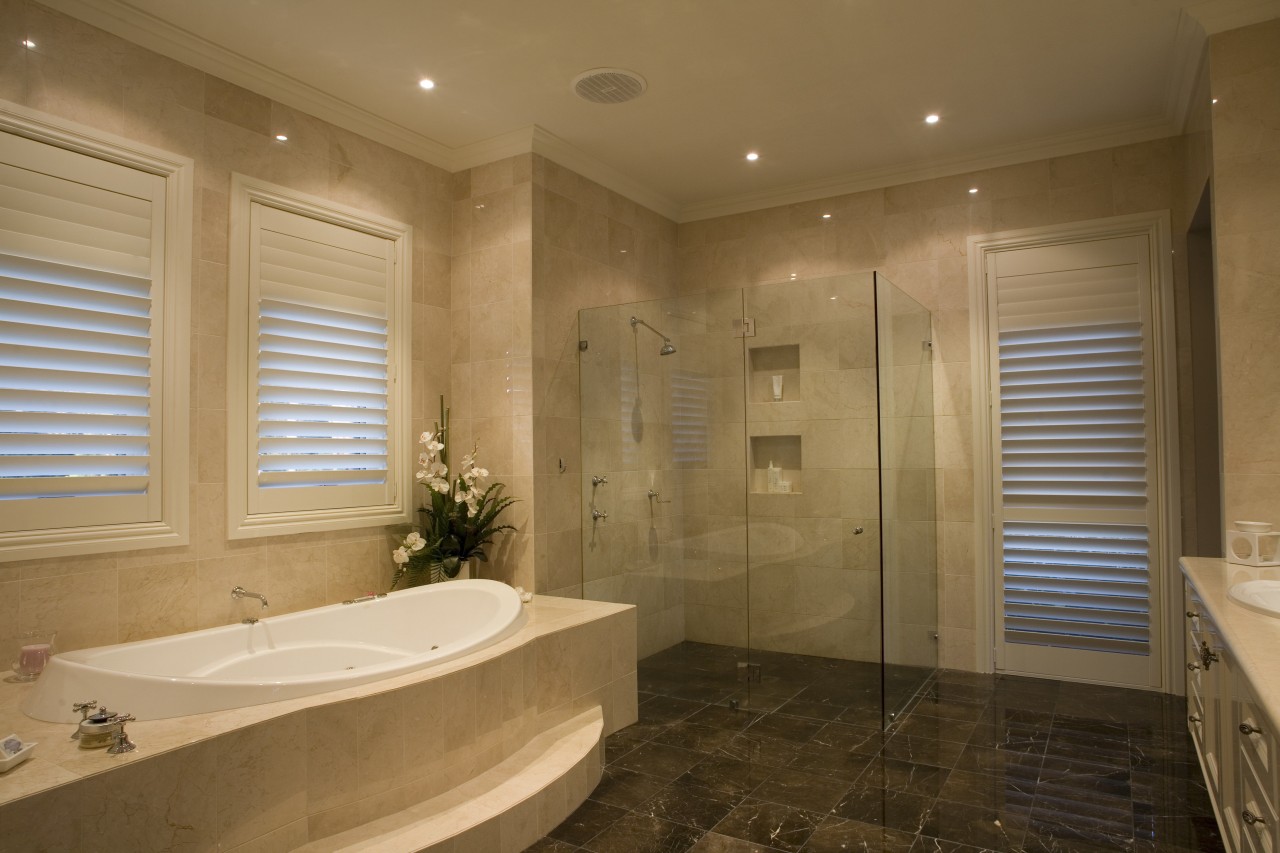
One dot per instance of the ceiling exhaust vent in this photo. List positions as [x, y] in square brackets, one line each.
[609, 85]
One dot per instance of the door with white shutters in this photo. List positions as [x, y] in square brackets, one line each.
[1076, 521]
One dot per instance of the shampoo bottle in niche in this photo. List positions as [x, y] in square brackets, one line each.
[775, 478]
[777, 388]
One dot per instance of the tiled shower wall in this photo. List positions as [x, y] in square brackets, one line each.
[79, 73]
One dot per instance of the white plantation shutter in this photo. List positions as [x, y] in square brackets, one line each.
[82, 264]
[1074, 431]
[322, 370]
[316, 411]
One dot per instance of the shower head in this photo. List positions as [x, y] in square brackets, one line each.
[667, 346]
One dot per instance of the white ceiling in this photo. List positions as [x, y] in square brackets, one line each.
[832, 93]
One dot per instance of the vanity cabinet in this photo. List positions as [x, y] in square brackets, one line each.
[1233, 735]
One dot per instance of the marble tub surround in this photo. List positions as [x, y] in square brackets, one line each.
[1252, 637]
[284, 774]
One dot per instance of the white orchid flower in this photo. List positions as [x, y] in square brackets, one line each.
[426, 437]
[440, 486]
[415, 542]
[400, 555]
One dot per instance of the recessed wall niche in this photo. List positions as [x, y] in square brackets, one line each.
[781, 452]
[768, 362]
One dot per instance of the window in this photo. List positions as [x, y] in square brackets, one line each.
[318, 354]
[94, 277]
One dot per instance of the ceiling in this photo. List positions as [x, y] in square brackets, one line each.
[831, 93]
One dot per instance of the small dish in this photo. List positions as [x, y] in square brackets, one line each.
[7, 761]
[1253, 526]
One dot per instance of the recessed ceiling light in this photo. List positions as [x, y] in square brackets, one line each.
[793, 275]
[622, 251]
[826, 216]
[479, 207]
[973, 190]
[427, 83]
[753, 156]
[931, 118]
[28, 43]
[280, 137]
[1214, 101]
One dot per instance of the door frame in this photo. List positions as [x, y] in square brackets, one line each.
[1156, 227]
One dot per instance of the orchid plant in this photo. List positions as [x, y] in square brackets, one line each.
[459, 518]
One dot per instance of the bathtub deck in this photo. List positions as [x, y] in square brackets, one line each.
[58, 761]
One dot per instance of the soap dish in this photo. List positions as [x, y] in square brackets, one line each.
[9, 760]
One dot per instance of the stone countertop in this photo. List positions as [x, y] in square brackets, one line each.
[59, 760]
[1254, 638]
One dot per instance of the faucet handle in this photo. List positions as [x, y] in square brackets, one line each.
[122, 744]
[84, 708]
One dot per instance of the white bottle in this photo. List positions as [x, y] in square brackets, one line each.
[777, 388]
[775, 478]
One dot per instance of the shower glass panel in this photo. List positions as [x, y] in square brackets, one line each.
[907, 495]
[732, 482]
[663, 485]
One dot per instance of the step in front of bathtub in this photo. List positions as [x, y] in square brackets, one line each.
[503, 810]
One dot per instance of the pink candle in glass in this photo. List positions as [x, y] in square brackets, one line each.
[31, 659]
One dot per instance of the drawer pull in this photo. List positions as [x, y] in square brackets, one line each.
[1193, 718]
[1250, 818]
[1193, 666]
[1249, 729]
[1192, 614]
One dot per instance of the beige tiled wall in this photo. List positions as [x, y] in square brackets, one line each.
[916, 235]
[79, 73]
[1245, 78]
[491, 387]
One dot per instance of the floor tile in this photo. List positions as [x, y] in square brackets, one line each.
[770, 824]
[975, 763]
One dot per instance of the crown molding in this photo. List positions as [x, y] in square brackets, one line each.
[554, 148]
[1190, 49]
[1218, 16]
[1059, 145]
[132, 24]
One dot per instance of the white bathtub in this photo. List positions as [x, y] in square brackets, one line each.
[281, 657]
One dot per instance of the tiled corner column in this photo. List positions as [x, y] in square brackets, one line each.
[320, 770]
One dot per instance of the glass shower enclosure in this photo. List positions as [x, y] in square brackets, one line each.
[758, 479]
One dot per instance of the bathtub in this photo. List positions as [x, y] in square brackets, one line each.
[281, 657]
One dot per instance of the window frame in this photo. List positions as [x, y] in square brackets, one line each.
[171, 350]
[1155, 225]
[242, 521]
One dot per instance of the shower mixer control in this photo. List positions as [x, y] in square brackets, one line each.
[599, 515]
[600, 480]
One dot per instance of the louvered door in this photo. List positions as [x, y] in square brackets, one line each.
[1075, 523]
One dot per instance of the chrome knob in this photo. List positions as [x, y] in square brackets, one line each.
[600, 481]
[122, 744]
[1249, 729]
[598, 515]
[1250, 818]
[1192, 614]
[1193, 666]
[1193, 718]
[84, 708]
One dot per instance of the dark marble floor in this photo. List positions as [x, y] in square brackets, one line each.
[977, 763]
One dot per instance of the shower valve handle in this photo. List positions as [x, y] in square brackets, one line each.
[598, 515]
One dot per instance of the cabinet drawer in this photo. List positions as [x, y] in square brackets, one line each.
[1257, 819]
[1257, 743]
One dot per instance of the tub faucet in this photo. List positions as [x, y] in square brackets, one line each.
[241, 592]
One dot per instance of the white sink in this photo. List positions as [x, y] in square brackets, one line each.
[1262, 596]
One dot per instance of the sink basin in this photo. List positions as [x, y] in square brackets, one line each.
[1262, 596]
